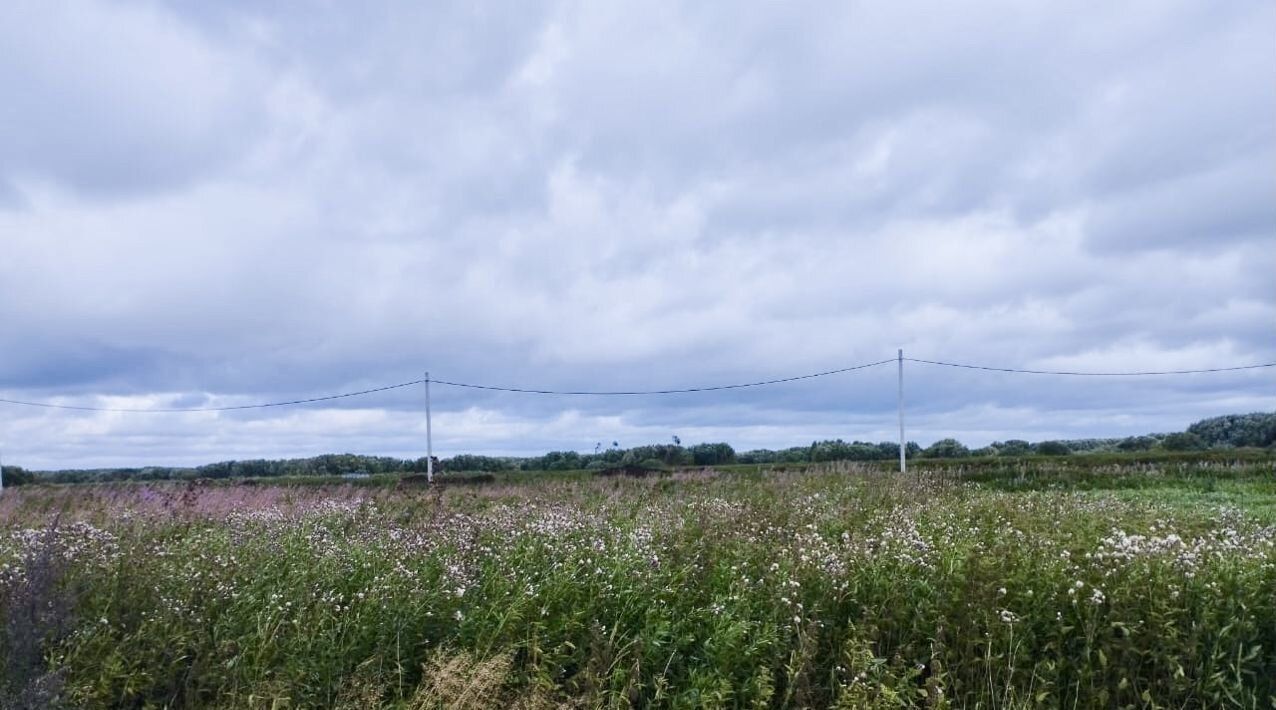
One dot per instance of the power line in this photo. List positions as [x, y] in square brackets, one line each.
[1090, 374]
[49, 405]
[595, 393]
[621, 393]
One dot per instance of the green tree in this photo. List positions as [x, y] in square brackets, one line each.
[712, 454]
[1012, 447]
[1052, 448]
[945, 449]
[16, 476]
[1137, 443]
[1183, 441]
[1256, 429]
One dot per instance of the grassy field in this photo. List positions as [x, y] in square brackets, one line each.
[994, 585]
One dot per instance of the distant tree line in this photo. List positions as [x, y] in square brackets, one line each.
[1230, 431]
[1225, 432]
[834, 450]
[650, 456]
[325, 465]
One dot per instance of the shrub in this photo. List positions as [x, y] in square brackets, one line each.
[1183, 441]
[1013, 447]
[1137, 443]
[1052, 448]
[945, 449]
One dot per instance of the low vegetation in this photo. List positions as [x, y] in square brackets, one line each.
[1226, 433]
[1036, 583]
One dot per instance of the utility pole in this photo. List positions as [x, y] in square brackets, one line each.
[429, 435]
[902, 444]
[1, 468]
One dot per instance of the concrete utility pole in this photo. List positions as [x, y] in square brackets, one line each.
[902, 444]
[429, 435]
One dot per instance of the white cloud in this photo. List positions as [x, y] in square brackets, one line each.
[116, 98]
[273, 202]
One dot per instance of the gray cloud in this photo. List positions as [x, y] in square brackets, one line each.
[233, 202]
[120, 98]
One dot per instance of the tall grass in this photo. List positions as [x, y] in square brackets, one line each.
[844, 587]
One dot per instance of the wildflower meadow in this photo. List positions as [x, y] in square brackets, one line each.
[844, 586]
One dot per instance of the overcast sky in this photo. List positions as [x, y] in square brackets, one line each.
[210, 204]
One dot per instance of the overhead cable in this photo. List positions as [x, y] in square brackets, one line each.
[1090, 374]
[597, 393]
[49, 405]
[623, 393]
[171, 410]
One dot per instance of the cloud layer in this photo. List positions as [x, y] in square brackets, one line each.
[229, 203]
